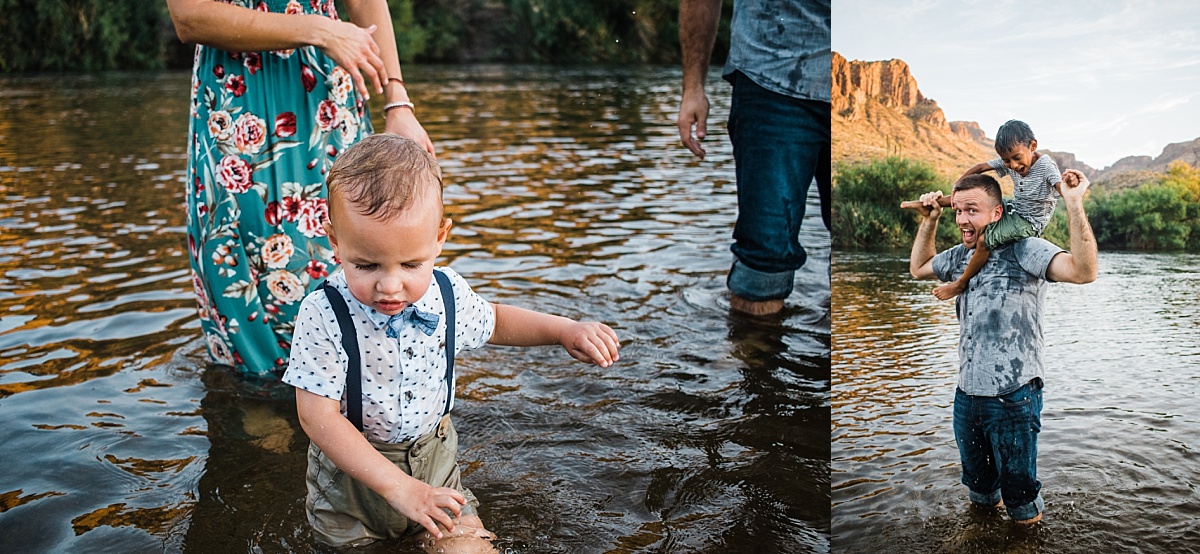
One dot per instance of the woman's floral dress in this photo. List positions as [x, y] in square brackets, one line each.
[265, 128]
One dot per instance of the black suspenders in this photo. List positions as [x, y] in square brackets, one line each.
[354, 363]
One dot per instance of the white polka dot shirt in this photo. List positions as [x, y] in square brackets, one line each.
[403, 379]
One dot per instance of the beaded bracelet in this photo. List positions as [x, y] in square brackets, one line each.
[391, 105]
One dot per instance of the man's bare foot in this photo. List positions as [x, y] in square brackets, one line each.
[751, 307]
[948, 290]
[1029, 521]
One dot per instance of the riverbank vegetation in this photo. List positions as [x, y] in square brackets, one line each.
[1163, 213]
[64, 35]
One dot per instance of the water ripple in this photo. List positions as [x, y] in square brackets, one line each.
[1120, 359]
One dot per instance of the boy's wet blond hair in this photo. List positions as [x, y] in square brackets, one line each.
[382, 175]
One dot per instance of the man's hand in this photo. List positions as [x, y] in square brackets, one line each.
[1077, 184]
[693, 111]
[1080, 265]
[930, 209]
[920, 264]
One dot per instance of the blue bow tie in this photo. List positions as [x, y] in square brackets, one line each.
[423, 320]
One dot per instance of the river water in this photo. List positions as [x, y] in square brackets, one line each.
[1117, 452]
[570, 194]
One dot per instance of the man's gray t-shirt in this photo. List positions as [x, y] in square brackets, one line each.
[1000, 342]
[783, 46]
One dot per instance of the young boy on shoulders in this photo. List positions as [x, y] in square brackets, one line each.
[382, 462]
[1036, 189]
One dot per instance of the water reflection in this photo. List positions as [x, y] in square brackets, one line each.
[1117, 428]
[569, 193]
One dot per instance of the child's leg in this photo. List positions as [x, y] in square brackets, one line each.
[439, 467]
[978, 260]
[469, 537]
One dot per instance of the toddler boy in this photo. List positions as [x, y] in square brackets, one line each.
[372, 357]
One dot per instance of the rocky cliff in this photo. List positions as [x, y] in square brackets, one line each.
[878, 110]
[1180, 151]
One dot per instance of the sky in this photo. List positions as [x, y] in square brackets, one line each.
[1101, 79]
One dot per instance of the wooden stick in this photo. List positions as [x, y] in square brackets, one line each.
[943, 201]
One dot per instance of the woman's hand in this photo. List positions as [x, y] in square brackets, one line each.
[354, 50]
[402, 121]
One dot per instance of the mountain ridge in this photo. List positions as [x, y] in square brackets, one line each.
[879, 110]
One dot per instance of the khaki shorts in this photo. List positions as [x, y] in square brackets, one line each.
[344, 512]
[1008, 229]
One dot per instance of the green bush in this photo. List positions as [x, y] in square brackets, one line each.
[1154, 216]
[866, 203]
[1161, 214]
[60, 35]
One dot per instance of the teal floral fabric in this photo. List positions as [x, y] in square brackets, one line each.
[265, 128]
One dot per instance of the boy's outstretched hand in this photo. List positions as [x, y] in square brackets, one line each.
[590, 341]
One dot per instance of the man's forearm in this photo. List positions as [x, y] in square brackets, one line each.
[924, 249]
[1083, 242]
[697, 32]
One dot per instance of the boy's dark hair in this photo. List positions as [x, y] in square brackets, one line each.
[980, 181]
[1011, 134]
[383, 174]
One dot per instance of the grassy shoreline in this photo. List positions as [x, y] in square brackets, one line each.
[1160, 214]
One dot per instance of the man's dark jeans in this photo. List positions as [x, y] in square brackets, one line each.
[997, 443]
[780, 144]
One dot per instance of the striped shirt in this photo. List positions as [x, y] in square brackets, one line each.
[1034, 195]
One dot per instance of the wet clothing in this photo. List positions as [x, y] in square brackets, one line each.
[1001, 343]
[997, 444]
[998, 404]
[264, 129]
[343, 511]
[783, 46]
[779, 65]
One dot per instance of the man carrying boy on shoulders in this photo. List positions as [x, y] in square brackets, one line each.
[998, 403]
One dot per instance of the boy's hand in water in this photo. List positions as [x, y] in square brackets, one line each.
[590, 341]
[422, 503]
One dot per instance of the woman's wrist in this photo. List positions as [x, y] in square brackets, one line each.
[318, 31]
[394, 91]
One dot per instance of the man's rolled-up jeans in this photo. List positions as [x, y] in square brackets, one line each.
[780, 147]
[997, 443]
